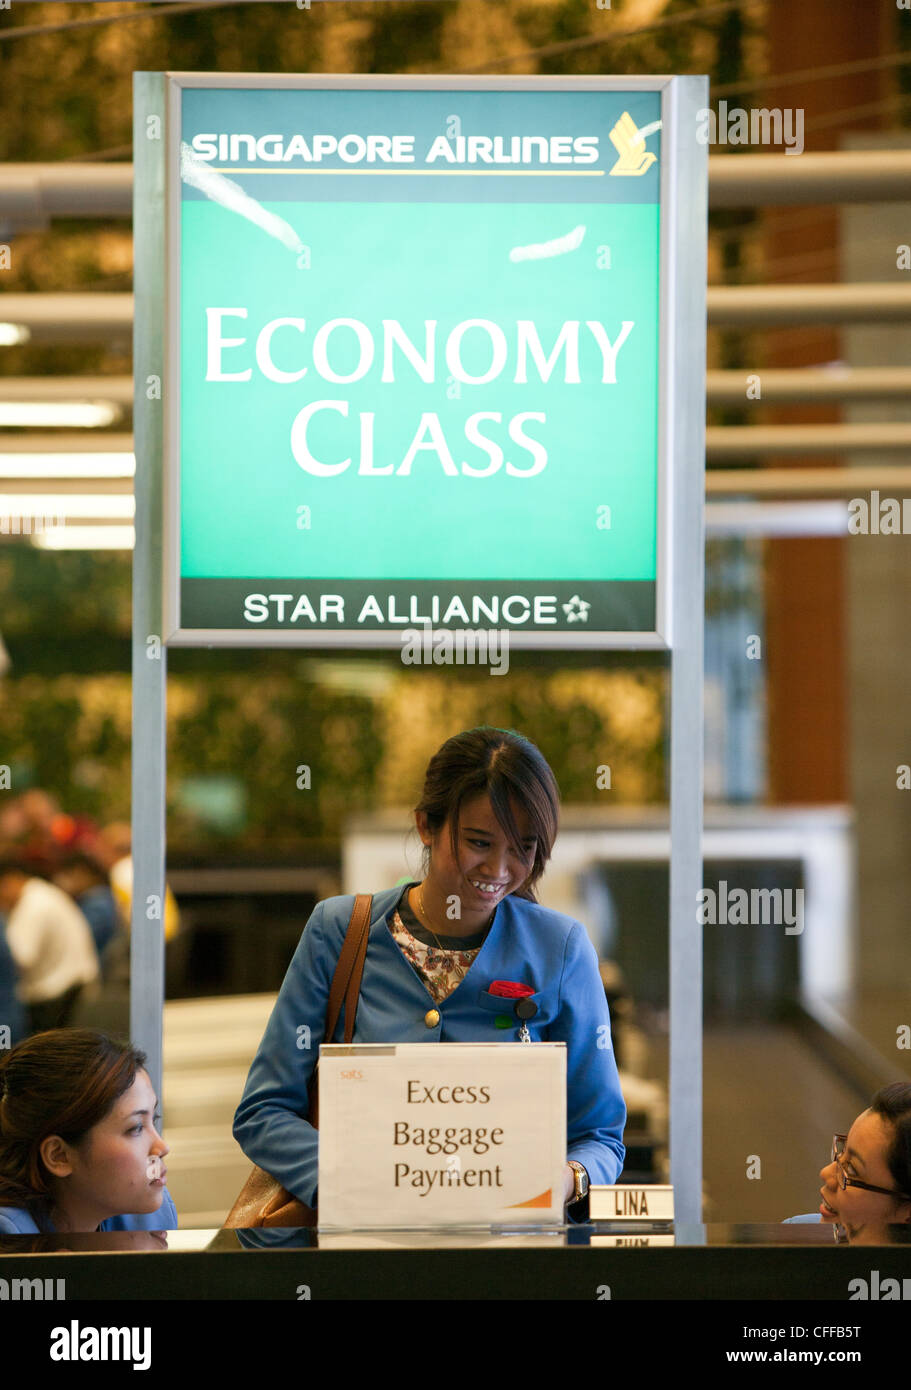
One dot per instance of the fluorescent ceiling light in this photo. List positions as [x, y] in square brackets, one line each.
[67, 465]
[13, 333]
[85, 538]
[59, 414]
[117, 505]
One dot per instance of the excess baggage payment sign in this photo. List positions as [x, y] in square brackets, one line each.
[417, 361]
[431, 1134]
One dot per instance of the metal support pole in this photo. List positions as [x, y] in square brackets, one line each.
[149, 652]
[684, 265]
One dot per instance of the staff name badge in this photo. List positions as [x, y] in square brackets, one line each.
[443, 1134]
[624, 1203]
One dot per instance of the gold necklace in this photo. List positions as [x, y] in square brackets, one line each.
[463, 971]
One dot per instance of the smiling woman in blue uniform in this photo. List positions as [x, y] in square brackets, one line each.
[79, 1150]
[438, 954]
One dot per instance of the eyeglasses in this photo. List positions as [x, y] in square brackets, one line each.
[838, 1147]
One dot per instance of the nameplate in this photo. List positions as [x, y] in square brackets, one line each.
[441, 1134]
[631, 1240]
[653, 1202]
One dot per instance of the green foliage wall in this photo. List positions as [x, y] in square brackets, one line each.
[71, 735]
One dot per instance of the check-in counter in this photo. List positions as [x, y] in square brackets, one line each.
[585, 1262]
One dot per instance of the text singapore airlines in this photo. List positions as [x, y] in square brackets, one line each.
[429, 436]
[396, 149]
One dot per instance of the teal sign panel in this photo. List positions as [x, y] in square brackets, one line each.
[419, 346]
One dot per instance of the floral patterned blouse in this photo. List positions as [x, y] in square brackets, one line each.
[440, 970]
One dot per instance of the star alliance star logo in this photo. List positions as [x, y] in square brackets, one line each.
[576, 610]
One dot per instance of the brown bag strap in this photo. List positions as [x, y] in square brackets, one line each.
[354, 983]
[346, 982]
[263, 1201]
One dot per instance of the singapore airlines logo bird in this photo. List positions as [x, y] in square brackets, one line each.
[629, 142]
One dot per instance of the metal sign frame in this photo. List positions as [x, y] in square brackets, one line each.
[680, 534]
[178, 635]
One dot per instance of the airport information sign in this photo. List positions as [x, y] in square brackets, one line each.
[414, 340]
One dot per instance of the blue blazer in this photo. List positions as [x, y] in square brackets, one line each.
[526, 943]
[16, 1221]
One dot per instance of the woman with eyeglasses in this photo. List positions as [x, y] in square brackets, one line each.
[868, 1181]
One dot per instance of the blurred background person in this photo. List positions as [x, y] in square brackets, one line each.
[12, 1011]
[13, 822]
[47, 830]
[50, 942]
[81, 876]
[112, 847]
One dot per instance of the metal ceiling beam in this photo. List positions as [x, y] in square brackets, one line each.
[727, 442]
[777, 386]
[780, 386]
[842, 176]
[118, 389]
[31, 195]
[759, 441]
[85, 318]
[70, 318]
[892, 480]
[65, 442]
[781, 306]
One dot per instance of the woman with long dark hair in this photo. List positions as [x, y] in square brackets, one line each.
[79, 1150]
[436, 947]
